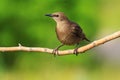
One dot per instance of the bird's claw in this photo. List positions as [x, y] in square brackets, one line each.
[75, 51]
[55, 52]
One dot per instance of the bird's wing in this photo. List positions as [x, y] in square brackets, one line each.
[76, 30]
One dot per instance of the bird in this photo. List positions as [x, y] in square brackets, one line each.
[67, 31]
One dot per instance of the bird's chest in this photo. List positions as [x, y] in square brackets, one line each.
[63, 33]
[62, 28]
[66, 35]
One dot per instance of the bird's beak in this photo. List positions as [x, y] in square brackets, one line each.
[50, 15]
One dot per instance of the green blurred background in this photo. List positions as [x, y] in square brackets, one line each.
[23, 21]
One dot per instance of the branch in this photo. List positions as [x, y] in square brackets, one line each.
[65, 52]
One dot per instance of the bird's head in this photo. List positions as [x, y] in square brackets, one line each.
[58, 16]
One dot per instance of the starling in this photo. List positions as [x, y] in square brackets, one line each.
[68, 32]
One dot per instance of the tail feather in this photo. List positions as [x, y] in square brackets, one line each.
[87, 39]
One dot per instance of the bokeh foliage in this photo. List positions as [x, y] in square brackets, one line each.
[23, 21]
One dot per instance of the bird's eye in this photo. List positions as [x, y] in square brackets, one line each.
[55, 15]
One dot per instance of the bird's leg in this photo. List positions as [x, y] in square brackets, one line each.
[55, 51]
[75, 50]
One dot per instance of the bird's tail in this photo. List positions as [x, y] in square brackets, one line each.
[87, 39]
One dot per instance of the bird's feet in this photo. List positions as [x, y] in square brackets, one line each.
[55, 52]
[75, 51]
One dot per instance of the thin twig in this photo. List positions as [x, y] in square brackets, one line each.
[65, 52]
